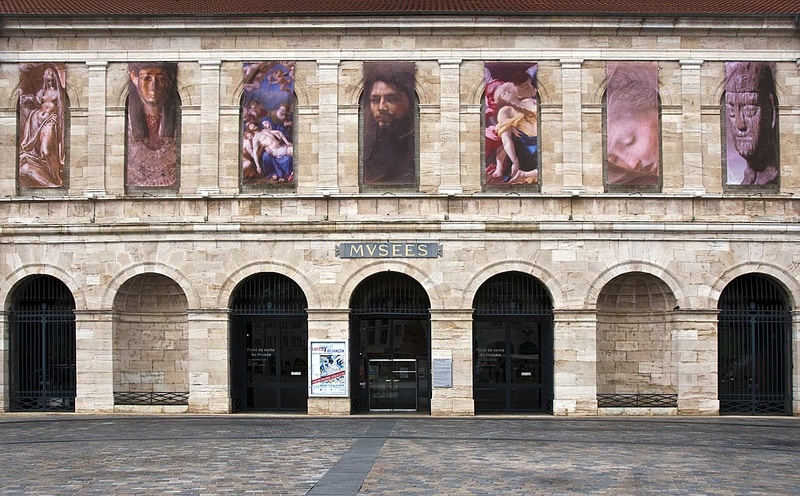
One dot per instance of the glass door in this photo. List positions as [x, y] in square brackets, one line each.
[393, 385]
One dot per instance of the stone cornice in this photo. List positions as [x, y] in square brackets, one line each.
[395, 25]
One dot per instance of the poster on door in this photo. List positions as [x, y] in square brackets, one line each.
[327, 368]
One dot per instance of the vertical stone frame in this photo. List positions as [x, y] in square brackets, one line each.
[153, 116]
[632, 128]
[750, 132]
[267, 126]
[389, 124]
[43, 127]
[511, 126]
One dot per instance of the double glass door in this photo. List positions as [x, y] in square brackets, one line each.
[393, 385]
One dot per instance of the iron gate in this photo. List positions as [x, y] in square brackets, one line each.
[42, 346]
[277, 302]
[754, 348]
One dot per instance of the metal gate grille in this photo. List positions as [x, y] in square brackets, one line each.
[390, 293]
[42, 346]
[269, 294]
[513, 293]
[754, 348]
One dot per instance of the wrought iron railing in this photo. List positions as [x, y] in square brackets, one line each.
[161, 399]
[637, 400]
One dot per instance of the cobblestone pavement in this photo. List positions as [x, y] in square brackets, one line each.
[297, 455]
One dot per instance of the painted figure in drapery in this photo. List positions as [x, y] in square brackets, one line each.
[43, 110]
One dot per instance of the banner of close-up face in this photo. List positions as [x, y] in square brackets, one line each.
[267, 123]
[751, 110]
[511, 117]
[43, 113]
[153, 124]
[633, 134]
[388, 107]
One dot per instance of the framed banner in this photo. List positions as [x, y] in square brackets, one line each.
[328, 369]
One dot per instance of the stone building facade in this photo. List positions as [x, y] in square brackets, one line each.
[626, 292]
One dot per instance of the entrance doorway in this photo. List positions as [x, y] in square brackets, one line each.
[512, 346]
[755, 348]
[42, 346]
[269, 345]
[390, 345]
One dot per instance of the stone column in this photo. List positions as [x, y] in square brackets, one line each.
[208, 175]
[574, 362]
[328, 167]
[330, 324]
[209, 376]
[691, 127]
[94, 351]
[572, 126]
[95, 171]
[451, 337]
[449, 127]
[694, 340]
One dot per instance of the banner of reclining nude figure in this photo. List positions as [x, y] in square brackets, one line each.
[267, 123]
[633, 134]
[511, 119]
[751, 117]
[42, 121]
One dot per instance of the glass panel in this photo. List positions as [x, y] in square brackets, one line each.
[525, 344]
[261, 351]
[393, 384]
[404, 376]
[490, 352]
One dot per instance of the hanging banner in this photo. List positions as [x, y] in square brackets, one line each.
[267, 124]
[328, 374]
[511, 116]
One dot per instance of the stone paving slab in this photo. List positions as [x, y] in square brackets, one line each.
[297, 455]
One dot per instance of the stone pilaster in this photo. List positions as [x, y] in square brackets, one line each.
[574, 362]
[328, 167]
[95, 170]
[691, 127]
[94, 347]
[451, 336]
[572, 125]
[329, 324]
[449, 127]
[208, 175]
[695, 345]
[796, 360]
[4, 363]
[209, 376]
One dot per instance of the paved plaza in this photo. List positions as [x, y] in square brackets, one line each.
[297, 455]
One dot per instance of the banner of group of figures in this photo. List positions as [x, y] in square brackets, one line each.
[389, 154]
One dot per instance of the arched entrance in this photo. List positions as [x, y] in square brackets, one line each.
[269, 345]
[513, 345]
[42, 346]
[635, 355]
[390, 345]
[151, 342]
[754, 348]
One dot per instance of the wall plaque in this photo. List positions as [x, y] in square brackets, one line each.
[388, 250]
[442, 372]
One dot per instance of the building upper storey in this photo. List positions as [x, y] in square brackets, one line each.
[551, 99]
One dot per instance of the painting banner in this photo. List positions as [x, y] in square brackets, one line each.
[511, 117]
